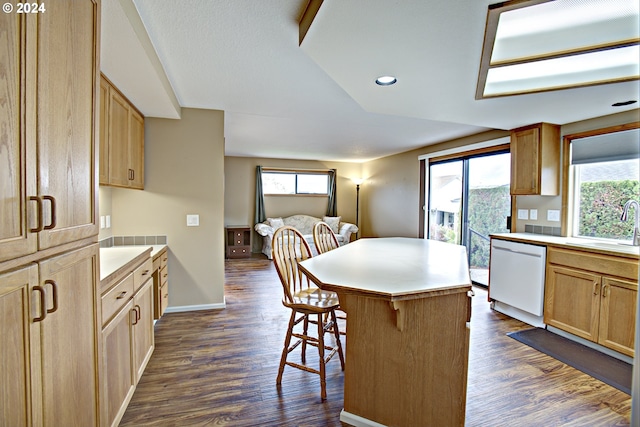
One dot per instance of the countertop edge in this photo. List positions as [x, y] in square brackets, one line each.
[136, 259]
[559, 241]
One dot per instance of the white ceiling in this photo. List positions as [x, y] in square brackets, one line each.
[319, 100]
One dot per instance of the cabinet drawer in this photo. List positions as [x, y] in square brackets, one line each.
[117, 297]
[142, 274]
[164, 258]
[601, 264]
[164, 275]
[239, 252]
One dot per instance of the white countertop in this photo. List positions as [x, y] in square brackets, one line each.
[115, 257]
[392, 268]
[591, 245]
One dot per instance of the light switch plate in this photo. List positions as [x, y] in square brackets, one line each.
[108, 221]
[533, 213]
[553, 215]
[523, 214]
[102, 221]
[193, 220]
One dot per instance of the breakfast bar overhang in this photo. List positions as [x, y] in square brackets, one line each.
[408, 309]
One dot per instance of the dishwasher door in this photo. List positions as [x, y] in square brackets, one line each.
[516, 275]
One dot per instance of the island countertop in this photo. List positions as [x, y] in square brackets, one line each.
[392, 268]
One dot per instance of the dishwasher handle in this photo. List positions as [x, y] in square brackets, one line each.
[501, 248]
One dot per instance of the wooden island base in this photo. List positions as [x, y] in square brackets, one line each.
[406, 361]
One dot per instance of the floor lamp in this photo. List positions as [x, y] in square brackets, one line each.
[357, 181]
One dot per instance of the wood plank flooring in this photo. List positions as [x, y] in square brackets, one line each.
[218, 368]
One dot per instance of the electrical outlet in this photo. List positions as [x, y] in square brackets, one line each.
[553, 215]
[102, 222]
[108, 221]
[533, 213]
[523, 214]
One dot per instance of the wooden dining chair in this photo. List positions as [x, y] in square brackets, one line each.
[324, 238]
[308, 303]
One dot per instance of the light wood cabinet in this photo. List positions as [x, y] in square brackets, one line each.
[127, 336]
[121, 140]
[535, 160]
[160, 283]
[592, 296]
[15, 369]
[47, 166]
[49, 342]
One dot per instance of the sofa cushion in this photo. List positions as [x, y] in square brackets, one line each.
[275, 223]
[333, 222]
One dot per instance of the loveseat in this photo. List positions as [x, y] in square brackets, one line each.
[304, 224]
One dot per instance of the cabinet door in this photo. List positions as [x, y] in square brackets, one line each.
[17, 162]
[143, 342]
[136, 149]
[618, 315]
[67, 112]
[525, 148]
[572, 301]
[104, 131]
[118, 140]
[118, 371]
[68, 339]
[15, 369]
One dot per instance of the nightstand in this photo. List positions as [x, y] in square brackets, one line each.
[238, 241]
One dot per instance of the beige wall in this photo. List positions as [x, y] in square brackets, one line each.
[239, 197]
[184, 174]
[390, 194]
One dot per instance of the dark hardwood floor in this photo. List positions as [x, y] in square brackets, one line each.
[218, 368]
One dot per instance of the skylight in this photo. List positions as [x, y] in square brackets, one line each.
[536, 46]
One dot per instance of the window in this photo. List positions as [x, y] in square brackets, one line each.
[604, 170]
[540, 45]
[295, 182]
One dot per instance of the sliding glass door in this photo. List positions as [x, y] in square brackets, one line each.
[468, 200]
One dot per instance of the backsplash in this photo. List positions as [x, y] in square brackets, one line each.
[542, 229]
[132, 241]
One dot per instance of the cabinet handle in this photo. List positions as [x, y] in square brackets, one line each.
[121, 295]
[138, 311]
[135, 316]
[145, 272]
[605, 288]
[52, 200]
[54, 287]
[40, 214]
[595, 288]
[43, 301]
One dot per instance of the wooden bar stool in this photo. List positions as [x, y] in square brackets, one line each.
[308, 304]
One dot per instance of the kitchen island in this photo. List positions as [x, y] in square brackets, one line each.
[408, 311]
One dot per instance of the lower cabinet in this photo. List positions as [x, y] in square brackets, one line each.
[160, 283]
[49, 342]
[127, 339]
[600, 305]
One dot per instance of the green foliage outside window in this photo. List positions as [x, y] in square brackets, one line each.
[601, 205]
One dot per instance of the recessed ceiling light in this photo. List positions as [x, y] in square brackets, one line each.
[386, 80]
[622, 104]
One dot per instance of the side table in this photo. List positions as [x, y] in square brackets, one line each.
[238, 241]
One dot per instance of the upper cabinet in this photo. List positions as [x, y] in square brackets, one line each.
[535, 160]
[48, 142]
[121, 140]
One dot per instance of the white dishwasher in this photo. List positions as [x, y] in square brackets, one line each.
[516, 280]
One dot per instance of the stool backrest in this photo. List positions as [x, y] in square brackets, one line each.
[289, 248]
[324, 238]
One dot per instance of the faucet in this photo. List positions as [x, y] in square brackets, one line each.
[625, 213]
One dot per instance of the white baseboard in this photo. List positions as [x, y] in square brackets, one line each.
[182, 308]
[357, 421]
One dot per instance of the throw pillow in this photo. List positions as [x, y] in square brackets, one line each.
[275, 223]
[333, 222]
